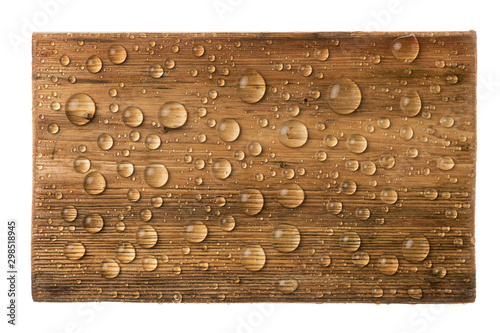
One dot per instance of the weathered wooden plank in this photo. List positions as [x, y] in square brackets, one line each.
[347, 161]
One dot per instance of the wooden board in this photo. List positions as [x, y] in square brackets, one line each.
[260, 167]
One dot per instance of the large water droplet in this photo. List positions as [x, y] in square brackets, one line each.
[356, 143]
[69, 213]
[321, 53]
[221, 168]
[388, 264]
[125, 252]
[415, 247]
[360, 259]
[125, 169]
[94, 64]
[80, 109]
[146, 236]
[132, 116]
[349, 187]
[253, 257]
[172, 115]
[343, 96]
[117, 54]
[405, 48]
[290, 195]
[251, 86]
[94, 183]
[105, 141]
[227, 223]
[109, 269]
[285, 237]
[228, 129]
[415, 292]
[445, 163]
[292, 133]
[156, 175]
[350, 241]
[74, 250]
[287, 284]
[93, 222]
[410, 103]
[195, 231]
[388, 196]
[251, 200]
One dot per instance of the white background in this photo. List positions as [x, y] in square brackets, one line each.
[19, 18]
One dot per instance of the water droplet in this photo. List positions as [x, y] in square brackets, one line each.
[146, 236]
[132, 116]
[356, 143]
[81, 164]
[350, 241]
[195, 231]
[94, 183]
[254, 148]
[415, 292]
[156, 175]
[343, 96]
[352, 165]
[412, 152]
[406, 132]
[321, 155]
[253, 257]
[172, 115]
[221, 168]
[125, 252]
[74, 250]
[388, 264]
[368, 168]
[156, 71]
[415, 247]
[445, 163]
[439, 272]
[363, 213]
[389, 196]
[228, 129]
[405, 48]
[227, 223]
[377, 291]
[410, 103]
[387, 161]
[64, 60]
[109, 269]
[321, 54]
[117, 54]
[251, 86]
[55, 106]
[285, 237]
[94, 64]
[125, 169]
[330, 141]
[80, 109]
[53, 128]
[251, 200]
[198, 50]
[290, 195]
[152, 141]
[334, 207]
[149, 263]
[349, 187]
[452, 79]
[133, 195]
[431, 193]
[93, 222]
[292, 133]
[360, 259]
[384, 123]
[447, 121]
[105, 141]
[305, 70]
[293, 110]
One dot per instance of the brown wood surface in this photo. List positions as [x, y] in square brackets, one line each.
[443, 73]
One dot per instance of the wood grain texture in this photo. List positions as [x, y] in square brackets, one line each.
[434, 206]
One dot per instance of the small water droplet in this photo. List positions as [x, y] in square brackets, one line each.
[253, 257]
[343, 96]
